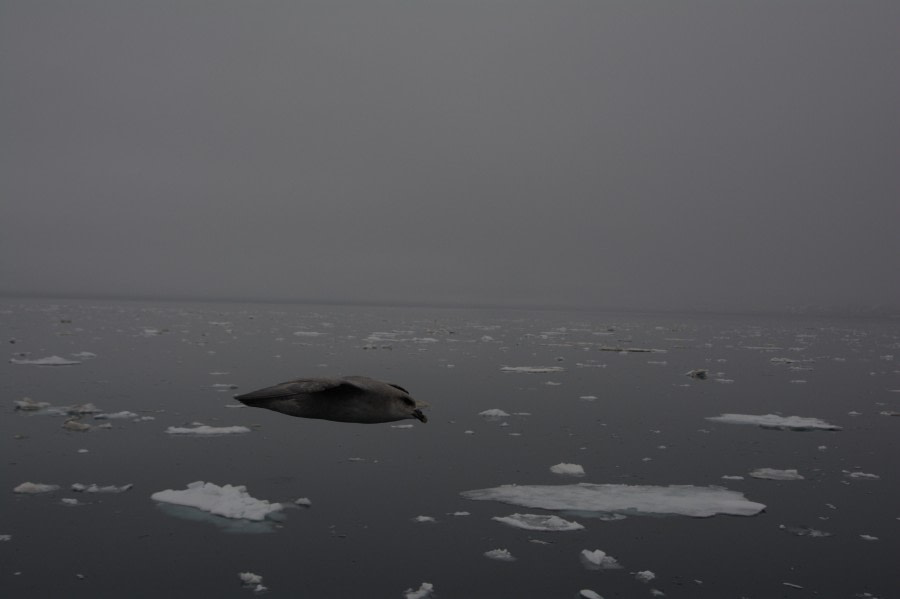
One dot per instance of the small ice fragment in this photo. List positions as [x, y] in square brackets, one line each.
[32, 488]
[645, 575]
[70, 501]
[93, 488]
[424, 519]
[698, 373]
[792, 585]
[202, 429]
[804, 531]
[776, 474]
[795, 423]
[494, 413]
[85, 355]
[588, 594]
[732, 477]
[862, 475]
[538, 522]
[599, 560]
[403, 426]
[567, 469]
[227, 501]
[501, 555]
[303, 502]
[26, 404]
[48, 361]
[250, 578]
[424, 591]
[4, 538]
[868, 538]
[115, 415]
[85, 408]
[74, 425]
[588, 398]
[533, 369]
[460, 514]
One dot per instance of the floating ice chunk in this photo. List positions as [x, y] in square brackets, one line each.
[868, 538]
[632, 350]
[494, 413]
[533, 369]
[4, 538]
[26, 404]
[424, 519]
[645, 575]
[227, 501]
[862, 475]
[804, 531]
[252, 581]
[303, 502]
[48, 361]
[567, 469]
[598, 560]
[501, 555]
[686, 500]
[776, 474]
[70, 501]
[589, 594]
[732, 477]
[588, 397]
[85, 355]
[794, 423]
[73, 424]
[698, 373]
[125, 414]
[94, 488]
[538, 522]
[425, 590]
[203, 429]
[33, 488]
[308, 334]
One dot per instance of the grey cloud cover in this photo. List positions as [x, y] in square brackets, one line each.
[606, 154]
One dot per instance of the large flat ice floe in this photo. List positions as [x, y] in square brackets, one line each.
[684, 500]
[773, 421]
[228, 501]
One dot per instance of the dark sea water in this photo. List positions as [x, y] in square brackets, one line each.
[630, 418]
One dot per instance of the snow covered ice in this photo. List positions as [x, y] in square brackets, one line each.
[598, 560]
[686, 500]
[425, 590]
[501, 555]
[776, 474]
[227, 501]
[538, 522]
[48, 361]
[794, 423]
[34, 488]
[567, 469]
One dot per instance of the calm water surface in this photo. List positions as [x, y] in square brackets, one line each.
[628, 418]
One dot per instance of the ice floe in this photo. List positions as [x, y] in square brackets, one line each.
[598, 560]
[776, 474]
[567, 469]
[773, 421]
[494, 413]
[228, 501]
[861, 475]
[94, 488]
[589, 594]
[34, 488]
[538, 522]
[48, 361]
[501, 555]
[686, 500]
[123, 415]
[645, 575]
[425, 590]
[252, 581]
[203, 429]
[533, 369]
[804, 531]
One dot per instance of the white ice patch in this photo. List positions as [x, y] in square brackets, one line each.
[94, 488]
[494, 413]
[48, 361]
[567, 469]
[34, 488]
[425, 590]
[123, 415]
[252, 581]
[589, 594]
[501, 555]
[776, 474]
[532, 369]
[207, 430]
[538, 522]
[794, 423]
[598, 560]
[686, 500]
[227, 501]
[861, 475]
[645, 575]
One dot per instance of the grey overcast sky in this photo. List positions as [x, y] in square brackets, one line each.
[644, 154]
